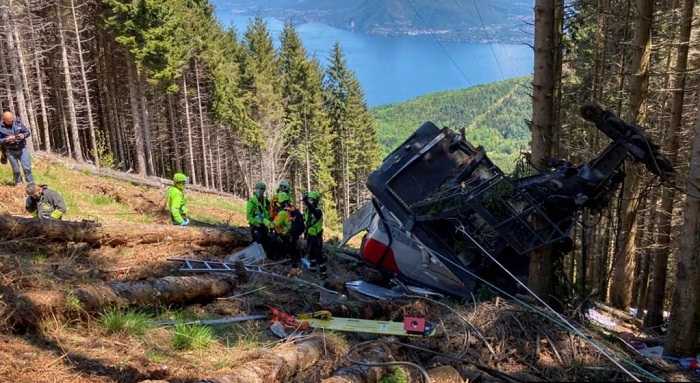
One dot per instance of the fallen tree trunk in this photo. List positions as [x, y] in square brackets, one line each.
[33, 306]
[277, 365]
[445, 374]
[121, 234]
[151, 181]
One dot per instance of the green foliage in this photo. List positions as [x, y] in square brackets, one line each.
[104, 155]
[155, 33]
[397, 375]
[260, 88]
[191, 337]
[307, 131]
[493, 115]
[73, 304]
[128, 322]
[277, 102]
[164, 36]
[354, 132]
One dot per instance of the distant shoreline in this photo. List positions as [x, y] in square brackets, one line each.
[472, 35]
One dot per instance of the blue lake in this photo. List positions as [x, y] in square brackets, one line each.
[395, 69]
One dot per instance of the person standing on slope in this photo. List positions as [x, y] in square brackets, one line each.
[176, 202]
[313, 220]
[258, 214]
[287, 231]
[13, 138]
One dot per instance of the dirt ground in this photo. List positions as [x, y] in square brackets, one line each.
[75, 346]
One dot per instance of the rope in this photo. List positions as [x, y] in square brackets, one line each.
[483, 26]
[460, 316]
[559, 319]
[488, 370]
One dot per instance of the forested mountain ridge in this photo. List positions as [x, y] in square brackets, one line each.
[156, 87]
[504, 21]
[494, 116]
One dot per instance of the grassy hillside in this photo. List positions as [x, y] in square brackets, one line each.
[107, 200]
[494, 116]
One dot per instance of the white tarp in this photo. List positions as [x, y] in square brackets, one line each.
[251, 255]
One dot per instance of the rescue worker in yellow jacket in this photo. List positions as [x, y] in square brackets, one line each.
[176, 202]
[288, 227]
[44, 203]
[258, 213]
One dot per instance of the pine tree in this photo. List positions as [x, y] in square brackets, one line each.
[363, 146]
[294, 67]
[336, 93]
[261, 93]
[354, 132]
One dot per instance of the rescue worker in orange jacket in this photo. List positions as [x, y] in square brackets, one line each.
[283, 187]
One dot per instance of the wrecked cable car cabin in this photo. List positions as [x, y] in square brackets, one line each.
[444, 217]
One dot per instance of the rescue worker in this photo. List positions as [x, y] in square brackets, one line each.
[287, 231]
[176, 202]
[258, 213]
[44, 203]
[13, 138]
[283, 187]
[313, 221]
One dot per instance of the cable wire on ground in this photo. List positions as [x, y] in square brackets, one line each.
[423, 372]
[558, 319]
[460, 316]
[488, 370]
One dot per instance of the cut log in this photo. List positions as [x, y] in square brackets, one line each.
[277, 365]
[161, 291]
[445, 374]
[121, 234]
[33, 306]
[354, 374]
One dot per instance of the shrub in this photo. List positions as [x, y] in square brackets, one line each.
[129, 322]
[397, 375]
[192, 337]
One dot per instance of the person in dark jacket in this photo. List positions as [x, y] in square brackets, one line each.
[13, 138]
[44, 203]
[288, 226]
[313, 222]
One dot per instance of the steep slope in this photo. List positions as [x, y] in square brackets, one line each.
[108, 200]
[494, 116]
